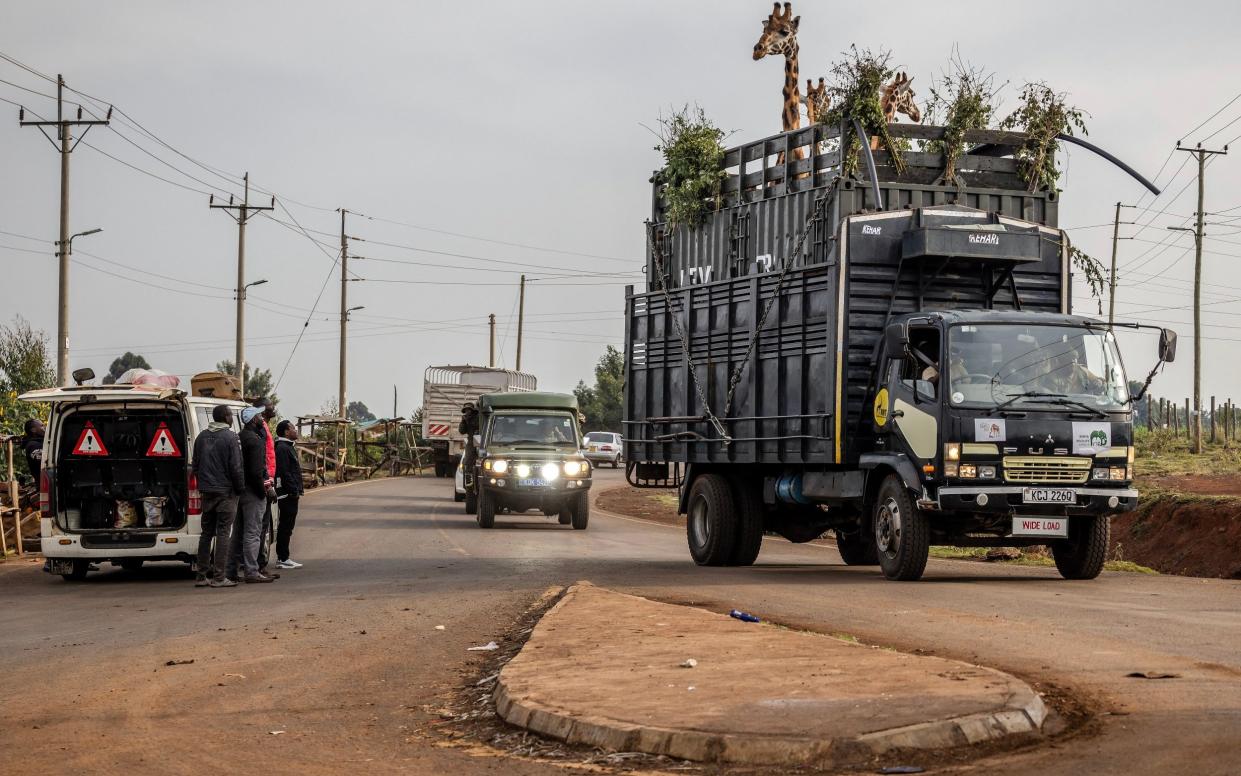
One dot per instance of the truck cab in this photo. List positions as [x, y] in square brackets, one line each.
[530, 457]
[1016, 425]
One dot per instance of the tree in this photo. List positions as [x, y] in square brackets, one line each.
[419, 415]
[602, 404]
[358, 412]
[24, 366]
[122, 365]
[258, 382]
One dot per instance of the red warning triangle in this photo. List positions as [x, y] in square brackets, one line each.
[89, 443]
[163, 446]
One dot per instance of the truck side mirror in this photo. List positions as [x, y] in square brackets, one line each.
[895, 340]
[1167, 345]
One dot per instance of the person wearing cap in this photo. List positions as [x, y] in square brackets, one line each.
[288, 491]
[249, 526]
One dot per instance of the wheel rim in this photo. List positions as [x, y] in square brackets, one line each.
[699, 525]
[888, 527]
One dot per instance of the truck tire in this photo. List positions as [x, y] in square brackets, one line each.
[749, 539]
[80, 567]
[471, 503]
[1081, 555]
[858, 548]
[902, 532]
[486, 510]
[711, 521]
[581, 511]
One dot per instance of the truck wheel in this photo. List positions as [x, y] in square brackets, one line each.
[749, 501]
[902, 532]
[1081, 555]
[486, 510]
[581, 511]
[80, 567]
[711, 521]
[857, 548]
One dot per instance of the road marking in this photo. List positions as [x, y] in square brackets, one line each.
[456, 547]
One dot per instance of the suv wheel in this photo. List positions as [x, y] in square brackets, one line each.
[711, 521]
[581, 511]
[486, 509]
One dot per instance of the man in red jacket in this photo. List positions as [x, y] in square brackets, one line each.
[269, 412]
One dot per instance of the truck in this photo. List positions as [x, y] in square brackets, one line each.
[445, 390]
[529, 457]
[887, 355]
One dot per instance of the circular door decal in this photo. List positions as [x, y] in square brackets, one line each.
[881, 407]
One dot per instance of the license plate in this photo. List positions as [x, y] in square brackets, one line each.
[1041, 526]
[594, 448]
[61, 566]
[1048, 496]
[532, 483]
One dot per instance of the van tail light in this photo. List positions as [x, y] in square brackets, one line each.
[195, 500]
[45, 494]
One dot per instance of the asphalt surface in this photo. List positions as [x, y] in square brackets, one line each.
[340, 664]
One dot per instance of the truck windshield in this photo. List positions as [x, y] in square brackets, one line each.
[1030, 366]
[520, 428]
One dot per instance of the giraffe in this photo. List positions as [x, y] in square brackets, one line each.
[897, 97]
[817, 100]
[780, 37]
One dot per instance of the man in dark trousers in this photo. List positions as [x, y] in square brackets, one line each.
[269, 446]
[217, 468]
[288, 491]
[32, 447]
[245, 544]
[469, 427]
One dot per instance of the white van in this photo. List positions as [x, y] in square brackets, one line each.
[116, 483]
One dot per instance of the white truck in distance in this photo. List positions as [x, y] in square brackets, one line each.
[445, 389]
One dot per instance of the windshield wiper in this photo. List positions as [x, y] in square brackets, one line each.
[1067, 402]
[1012, 397]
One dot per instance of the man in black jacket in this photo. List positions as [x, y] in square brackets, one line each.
[288, 491]
[32, 447]
[246, 535]
[217, 468]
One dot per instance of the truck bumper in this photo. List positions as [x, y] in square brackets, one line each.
[1007, 499]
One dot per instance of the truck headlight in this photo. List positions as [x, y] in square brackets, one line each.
[952, 451]
[1118, 473]
[1101, 474]
[969, 471]
[550, 471]
[951, 468]
[986, 472]
[499, 466]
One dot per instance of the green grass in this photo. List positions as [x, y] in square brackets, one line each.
[666, 499]
[1029, 559]
[1160, 453]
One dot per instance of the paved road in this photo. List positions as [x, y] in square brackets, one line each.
[343, 656]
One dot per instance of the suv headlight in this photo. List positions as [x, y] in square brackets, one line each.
[499, 466]
[575, 468]
[550, 471]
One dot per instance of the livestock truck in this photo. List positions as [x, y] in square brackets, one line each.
[884, 354]
[445, 390]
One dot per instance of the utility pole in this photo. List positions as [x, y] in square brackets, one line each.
[521, 317]
[1111, 297]
[242, 215]
[64, 144]
[344, 309]
[491, 323]
[1201, 153]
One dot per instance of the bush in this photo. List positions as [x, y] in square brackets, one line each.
[693, 166]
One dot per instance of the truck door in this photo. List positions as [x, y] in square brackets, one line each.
[912, 396]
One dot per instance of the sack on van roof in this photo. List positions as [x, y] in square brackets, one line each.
[149, 377]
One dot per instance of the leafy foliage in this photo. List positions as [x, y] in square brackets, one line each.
[358, 412]
[602, 404]
[257, 383]
[24, 366]
[960, 100]
[1042, 114]
[1092, 269]
[122, 365]
[693, 165]
[857, 81]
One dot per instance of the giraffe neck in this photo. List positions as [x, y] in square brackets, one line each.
[792, 94]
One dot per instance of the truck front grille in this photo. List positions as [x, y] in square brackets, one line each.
[1038, 468]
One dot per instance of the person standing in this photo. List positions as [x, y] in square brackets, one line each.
[246, 535]
[288, 491]
[269, 447]
[32, 447]
[217, 469]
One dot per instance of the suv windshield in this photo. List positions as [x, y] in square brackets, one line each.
[509, 428]
[1034, 365]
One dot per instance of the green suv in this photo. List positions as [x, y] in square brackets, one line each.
[530, 457]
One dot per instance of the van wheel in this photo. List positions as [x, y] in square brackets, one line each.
[749, 539]
[902, 532]
[80, 567]
[857, 548]
[486, 510]
[131, 565]
[581, 511]
[1081, 555]
[711, 521]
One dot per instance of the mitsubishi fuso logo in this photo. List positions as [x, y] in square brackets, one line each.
[984, 239]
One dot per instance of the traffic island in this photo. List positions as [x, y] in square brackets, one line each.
[628, 674]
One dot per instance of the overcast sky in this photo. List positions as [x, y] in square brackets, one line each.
[522, 123]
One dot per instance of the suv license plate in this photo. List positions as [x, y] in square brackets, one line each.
[532, 483]
[1041, 526]
[1048, 496]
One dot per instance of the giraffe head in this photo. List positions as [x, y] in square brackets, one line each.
[898, 97]
[779, 33]
[817, 100]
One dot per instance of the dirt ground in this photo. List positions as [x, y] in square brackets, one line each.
[1199, 484]
[656, 504]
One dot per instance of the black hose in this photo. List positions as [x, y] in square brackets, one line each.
[1092, 147]
[864, 141]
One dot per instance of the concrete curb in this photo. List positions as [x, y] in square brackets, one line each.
[1024, 713]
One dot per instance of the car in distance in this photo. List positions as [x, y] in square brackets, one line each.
[604, 447]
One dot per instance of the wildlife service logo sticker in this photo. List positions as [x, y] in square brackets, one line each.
[881, 407]
[990, 430]
[1092, 438]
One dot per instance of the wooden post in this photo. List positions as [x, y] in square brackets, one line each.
[1212, 420]
[1163, 413]
[1189, 421]
[1150, 419]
